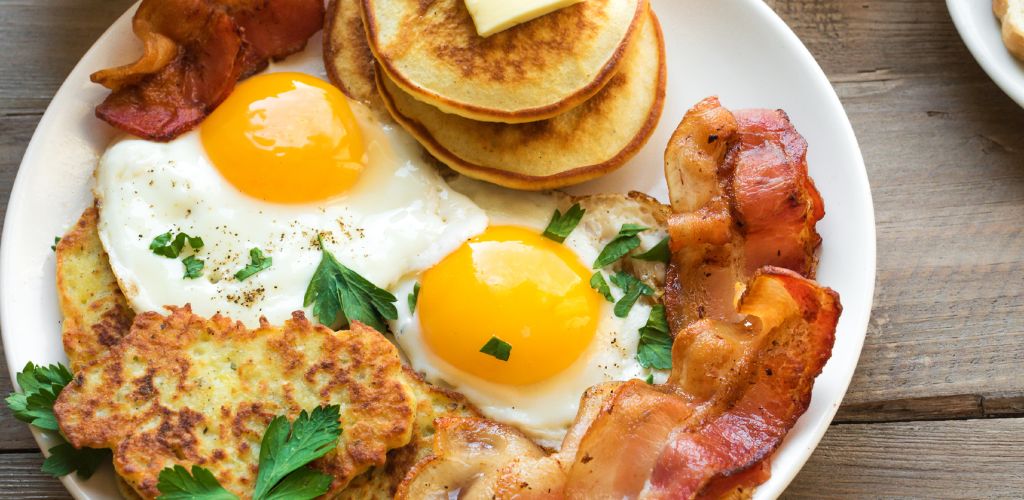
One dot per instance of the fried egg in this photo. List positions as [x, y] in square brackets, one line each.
[285, 161]
[287, 164]
[512, 283]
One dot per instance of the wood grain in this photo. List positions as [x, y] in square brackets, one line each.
[945, 154]
[944, 149]
[965, 459]
[20, 478]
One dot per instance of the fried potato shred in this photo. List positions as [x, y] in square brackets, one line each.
[182, 389]
[432, 403]
[96, 313]
[751, 337]
[194, 51]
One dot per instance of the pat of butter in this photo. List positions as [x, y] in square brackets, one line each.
[493, 16]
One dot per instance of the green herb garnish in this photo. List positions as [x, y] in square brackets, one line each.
[413, 297]
[257, 263]
[285, 451]
[40, 386]
[561, 225]
[622, 244]
[339, 292]
[65, 459]
[655, 347]
[497, 348]
[632, 289]
[650, 379]
[193, 267]
[657, 253]
[164, 246]
[287, 448]
[176, 483]
[56, 239]
[598, 283]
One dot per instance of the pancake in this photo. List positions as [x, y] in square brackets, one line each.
[347, 57]
[530, 72]
[588, 141]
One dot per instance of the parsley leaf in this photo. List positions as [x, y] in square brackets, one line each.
[657, 253]
[302, 484]
[413, 297]
[40, 386]
[65, 459]
[655, 347]
[337, 290]
[632, 289]
[598, 283]
[622, 244]
[56, 239]
[193, 267]
[177, 484]
[497, 348]
[650, 379]
[164, 246]
[287, 448]
[257, 263]
[561, 225]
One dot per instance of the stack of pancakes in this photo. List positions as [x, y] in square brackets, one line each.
[556, 101]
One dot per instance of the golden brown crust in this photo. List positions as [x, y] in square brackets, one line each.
[347, 58]
[522, 141]
[479, 61]
[181, 389]
[96, 314]
[432, 403]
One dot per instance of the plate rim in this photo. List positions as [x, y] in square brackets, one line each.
[779, 480]
[1011, 85]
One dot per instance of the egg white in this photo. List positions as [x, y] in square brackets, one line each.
[399, 217]
[543, 410]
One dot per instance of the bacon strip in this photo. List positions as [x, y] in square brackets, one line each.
[778, 391]
[194, 53]
[742, 199]
[775, 200]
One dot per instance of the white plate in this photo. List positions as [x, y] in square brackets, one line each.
[761, 63]
[982, 33]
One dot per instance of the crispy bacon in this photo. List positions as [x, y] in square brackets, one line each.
[798, 330]
[194, 53]
[776, 203]
[742, 199]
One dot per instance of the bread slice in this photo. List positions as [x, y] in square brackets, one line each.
[530, 72]
[1011, 13]
[587, 142]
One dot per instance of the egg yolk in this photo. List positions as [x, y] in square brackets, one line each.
[285, 138]
[513, 284]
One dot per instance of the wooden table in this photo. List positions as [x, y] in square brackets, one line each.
[936, 409]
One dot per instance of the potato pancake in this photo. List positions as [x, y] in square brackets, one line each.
[96, 314]
[182, 389]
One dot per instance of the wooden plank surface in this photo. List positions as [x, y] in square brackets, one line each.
[957, 459]
[933, 410]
